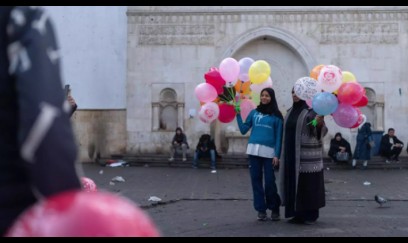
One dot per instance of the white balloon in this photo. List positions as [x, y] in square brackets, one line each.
[330, 78]
[306, 88]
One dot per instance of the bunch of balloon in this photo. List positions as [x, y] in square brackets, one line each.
[236, 85]
[339, 94]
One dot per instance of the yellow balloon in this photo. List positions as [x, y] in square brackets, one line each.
[259, 72]
[348, 77]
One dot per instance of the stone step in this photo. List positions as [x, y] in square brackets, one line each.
[236, 161]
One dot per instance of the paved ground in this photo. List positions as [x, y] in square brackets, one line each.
[199, 203]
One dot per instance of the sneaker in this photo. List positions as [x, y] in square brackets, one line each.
[387, 161]
[171, 159]
[184, 159]
[275, 216]
[262, 216]
[195, 167]
[213, 171]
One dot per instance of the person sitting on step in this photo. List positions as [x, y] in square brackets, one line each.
[205, 147]
[179, 142]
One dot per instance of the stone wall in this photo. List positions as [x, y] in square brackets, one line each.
[99, 131]
[168, 45]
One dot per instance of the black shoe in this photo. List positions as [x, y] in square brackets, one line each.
[296, 220]
[262, 216]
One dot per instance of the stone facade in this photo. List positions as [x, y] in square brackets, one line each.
[170, 49]
[99, 131]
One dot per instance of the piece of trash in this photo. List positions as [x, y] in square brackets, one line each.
[367, 183]
[327, 168]
[118, 163]
[204, 224]
[111, 183]
[100, 172]
[118, 179]
[154, 199]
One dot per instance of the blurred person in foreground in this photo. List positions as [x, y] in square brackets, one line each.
[37, 145]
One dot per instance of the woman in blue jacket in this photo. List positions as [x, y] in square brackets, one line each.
[264, 147]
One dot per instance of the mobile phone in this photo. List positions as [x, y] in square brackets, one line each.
[66, 90]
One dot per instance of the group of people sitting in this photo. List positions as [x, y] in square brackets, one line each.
[390, 148]
[205, 148]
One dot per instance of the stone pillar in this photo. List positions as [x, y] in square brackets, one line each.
[379, 113]
[180, 115]
[155, 114]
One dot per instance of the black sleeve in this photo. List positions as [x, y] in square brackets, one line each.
[46, 139]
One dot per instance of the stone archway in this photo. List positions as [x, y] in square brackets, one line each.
[289, 60]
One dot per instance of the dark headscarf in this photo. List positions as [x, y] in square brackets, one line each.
[179, 137]
[272, 107]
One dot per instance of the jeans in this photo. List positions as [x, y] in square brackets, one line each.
[174, 147]
[264, 198]
[198, 154]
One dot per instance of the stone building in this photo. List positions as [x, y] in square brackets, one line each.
[170, 49]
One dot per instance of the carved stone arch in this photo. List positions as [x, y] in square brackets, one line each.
[280, 35]
[168, 110]
[167, 107]
[168, 95]
[272, 40]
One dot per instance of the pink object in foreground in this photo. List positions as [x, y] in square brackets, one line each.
[88, 184]
[82, 214]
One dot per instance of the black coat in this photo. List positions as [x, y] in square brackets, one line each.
[335, 147]
[206, 142]
[385, 145]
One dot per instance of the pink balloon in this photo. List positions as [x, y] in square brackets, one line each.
[214, 78]
[246, 107]
[359, 120]
[205, 92]
[229, 70]
[244, 65]
[345, 115]
[227, 113]
[82, 214]
[350, 93]
[88, 185]
[209, 112]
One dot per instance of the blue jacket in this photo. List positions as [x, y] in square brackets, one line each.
[266, 130]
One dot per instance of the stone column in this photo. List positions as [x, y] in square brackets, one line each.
[180, 115]
[379, 113]
[155, 114]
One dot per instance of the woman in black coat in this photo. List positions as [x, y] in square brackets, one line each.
[339, 144]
